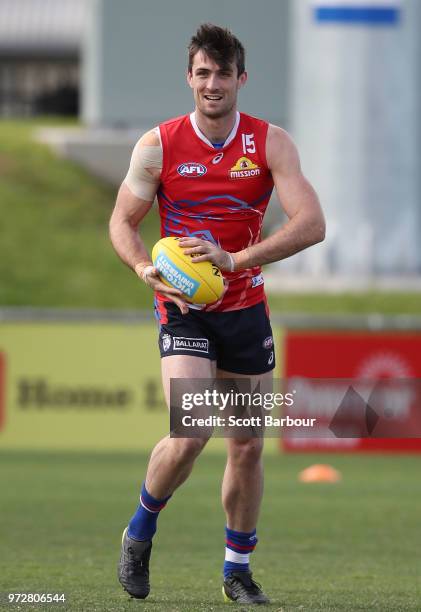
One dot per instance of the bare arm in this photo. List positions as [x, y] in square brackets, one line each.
[128, 213]
[306, 224]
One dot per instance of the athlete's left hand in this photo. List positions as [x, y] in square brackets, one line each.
[207, 251]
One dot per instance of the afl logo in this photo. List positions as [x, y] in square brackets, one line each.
[192, 169]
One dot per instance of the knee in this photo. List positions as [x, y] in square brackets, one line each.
[245, 453]
[187, 449]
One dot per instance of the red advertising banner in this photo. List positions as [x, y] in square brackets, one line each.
[352, 355]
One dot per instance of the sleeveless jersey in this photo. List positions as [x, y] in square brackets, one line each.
[218, 194]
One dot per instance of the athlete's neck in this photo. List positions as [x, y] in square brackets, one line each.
[215, 130]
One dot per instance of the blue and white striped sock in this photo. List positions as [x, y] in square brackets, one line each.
[238, 546]
[142, 525]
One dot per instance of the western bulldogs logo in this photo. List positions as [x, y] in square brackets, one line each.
[166, 342]
[256, 281]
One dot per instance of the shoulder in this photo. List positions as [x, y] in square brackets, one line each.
[146, 158]
[175, 128]
[150, 138]
[281, 151]
[174, 121]
[255, 122]
[279, 138]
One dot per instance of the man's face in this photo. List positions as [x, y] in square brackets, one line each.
[214, 87]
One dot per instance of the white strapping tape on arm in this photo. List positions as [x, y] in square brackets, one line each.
[138, 179]
[232, 264]
[145, 273]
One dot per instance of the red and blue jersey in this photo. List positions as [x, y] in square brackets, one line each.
[218, 194]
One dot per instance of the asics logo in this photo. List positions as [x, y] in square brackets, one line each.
[217, 158]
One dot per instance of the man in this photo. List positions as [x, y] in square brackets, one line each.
[213, 172]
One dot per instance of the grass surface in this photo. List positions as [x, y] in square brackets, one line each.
[387, 303]
[55, 250]
[352, 546]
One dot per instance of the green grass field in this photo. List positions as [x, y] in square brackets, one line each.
[351, 546]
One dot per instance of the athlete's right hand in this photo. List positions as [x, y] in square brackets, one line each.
[150, 275]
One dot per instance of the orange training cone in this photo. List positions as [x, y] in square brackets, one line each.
[320, 472]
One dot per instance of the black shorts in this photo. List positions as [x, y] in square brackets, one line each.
[240, 341]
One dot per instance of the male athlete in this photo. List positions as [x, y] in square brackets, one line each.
[213, 172]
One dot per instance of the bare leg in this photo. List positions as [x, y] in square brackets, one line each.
[170, 464]
[172, 459]
[242, 486]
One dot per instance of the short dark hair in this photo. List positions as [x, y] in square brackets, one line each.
[219, 44]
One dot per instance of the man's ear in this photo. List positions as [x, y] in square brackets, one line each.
[242, 79]
[189, 77]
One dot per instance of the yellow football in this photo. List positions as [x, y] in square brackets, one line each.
[200, 283]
